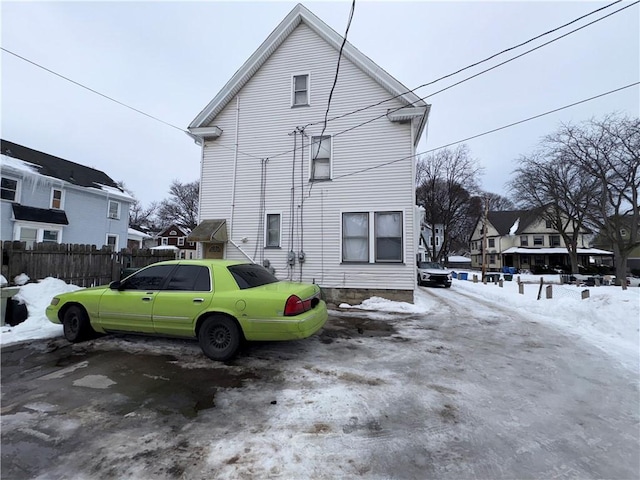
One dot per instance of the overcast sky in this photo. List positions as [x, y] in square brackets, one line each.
[169, 59]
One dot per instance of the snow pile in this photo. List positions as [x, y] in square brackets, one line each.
[514, 228]
[422, 305]
[21, 279]
[36, 296]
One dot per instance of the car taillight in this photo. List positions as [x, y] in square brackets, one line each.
[295, 306]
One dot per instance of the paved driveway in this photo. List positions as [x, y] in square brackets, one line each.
[449, 394]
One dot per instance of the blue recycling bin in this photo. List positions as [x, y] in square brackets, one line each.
[462, 276]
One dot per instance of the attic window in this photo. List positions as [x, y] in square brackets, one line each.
[9, 189]
[300, 90]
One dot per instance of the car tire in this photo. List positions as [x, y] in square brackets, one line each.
[76, 325]
[219, 338]
[447, 285]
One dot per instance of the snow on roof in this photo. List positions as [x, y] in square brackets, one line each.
[165, 247]
[17, 164]
[514, 227]
[132, 232]
[458, 259]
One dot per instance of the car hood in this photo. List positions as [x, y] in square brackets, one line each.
[434, 271]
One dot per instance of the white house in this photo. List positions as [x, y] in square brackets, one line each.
[333, 205]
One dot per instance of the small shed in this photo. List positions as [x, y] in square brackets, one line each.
[457, 261]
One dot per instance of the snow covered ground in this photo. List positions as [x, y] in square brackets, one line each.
[468, 382]
[609, 318]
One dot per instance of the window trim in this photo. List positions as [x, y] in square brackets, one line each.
[181, 241]
[266, 229]
[52, 198]
[526, 240]
[371, 237]
[558, 237]
[368, 238]
[540, 238]
[117, 216]
[40, 228]
[17, 191]
[293, 89]
[311, 159]
[114, 235]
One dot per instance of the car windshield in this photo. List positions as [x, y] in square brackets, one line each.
[251, 275]
[435, 265]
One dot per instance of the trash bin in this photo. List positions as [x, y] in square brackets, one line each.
[462, 276]
[508, 277]
[454, 274]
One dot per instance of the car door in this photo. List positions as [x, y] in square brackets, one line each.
[187, 294]
[129, 307]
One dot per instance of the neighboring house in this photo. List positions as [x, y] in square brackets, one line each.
[427, 240]
[633, 261]
[176, 236]
[49, 199]
[524, 240]
[334, 205]
[136, 238]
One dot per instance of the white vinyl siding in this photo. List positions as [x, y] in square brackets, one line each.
[363, 179]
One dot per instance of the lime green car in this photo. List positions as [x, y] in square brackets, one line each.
[219, 302]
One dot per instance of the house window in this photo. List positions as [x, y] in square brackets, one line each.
[492, 243]
[355, 237]
[492, 259]
[181, 241]
[165, 241]
[300, 91]
[173, 232]
[524, 241]
[437, 241]
[29, 236]
[538, 240]
[388, 236]
[538, 259]
[114, 210]
[554, 240]
[56, 198]
[272, 232]
[547, 224]
[50, 236]
[112, 242]
[9, 189]
[524, 259]
[321, 158]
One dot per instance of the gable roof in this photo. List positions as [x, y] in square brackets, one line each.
[502, 221]
[183, 232]
[56, 167]
[299, 15]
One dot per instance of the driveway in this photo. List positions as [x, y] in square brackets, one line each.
[454, 393]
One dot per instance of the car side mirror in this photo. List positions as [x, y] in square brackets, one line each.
[115, 285]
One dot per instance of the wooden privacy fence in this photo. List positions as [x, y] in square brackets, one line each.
[82, 265]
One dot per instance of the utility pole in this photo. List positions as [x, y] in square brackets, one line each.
[484, 237]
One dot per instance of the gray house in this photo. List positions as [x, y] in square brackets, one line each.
[49, 199]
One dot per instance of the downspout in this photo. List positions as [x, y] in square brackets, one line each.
[242, 251]
[201, 253]
[235, 172]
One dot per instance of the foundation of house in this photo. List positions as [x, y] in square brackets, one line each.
[355, 296]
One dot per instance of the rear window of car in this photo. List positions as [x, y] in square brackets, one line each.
[251, 275]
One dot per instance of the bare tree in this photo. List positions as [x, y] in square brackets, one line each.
[608, 151]
[182, 205]
[141, 217]
[551, 181]
[497, 203]
[445, 183]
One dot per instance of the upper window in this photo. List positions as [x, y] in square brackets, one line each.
[554, 240]
[56, 198]
[300, 90]
[114, 210]
[321, 158]
[492, 243]
[165, 240]
[355, 237]
[524, 241]
[9, 190]
[272, 233]
[180, 241]
[388, 232]
[548, 224]
[538, 240]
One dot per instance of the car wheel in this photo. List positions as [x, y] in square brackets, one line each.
[219, 338]
[447, 285]
[76, 326]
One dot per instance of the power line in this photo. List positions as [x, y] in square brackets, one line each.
[472, 76]
[474, 64]
[488, 131]
[91, 89]
[335, 81]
